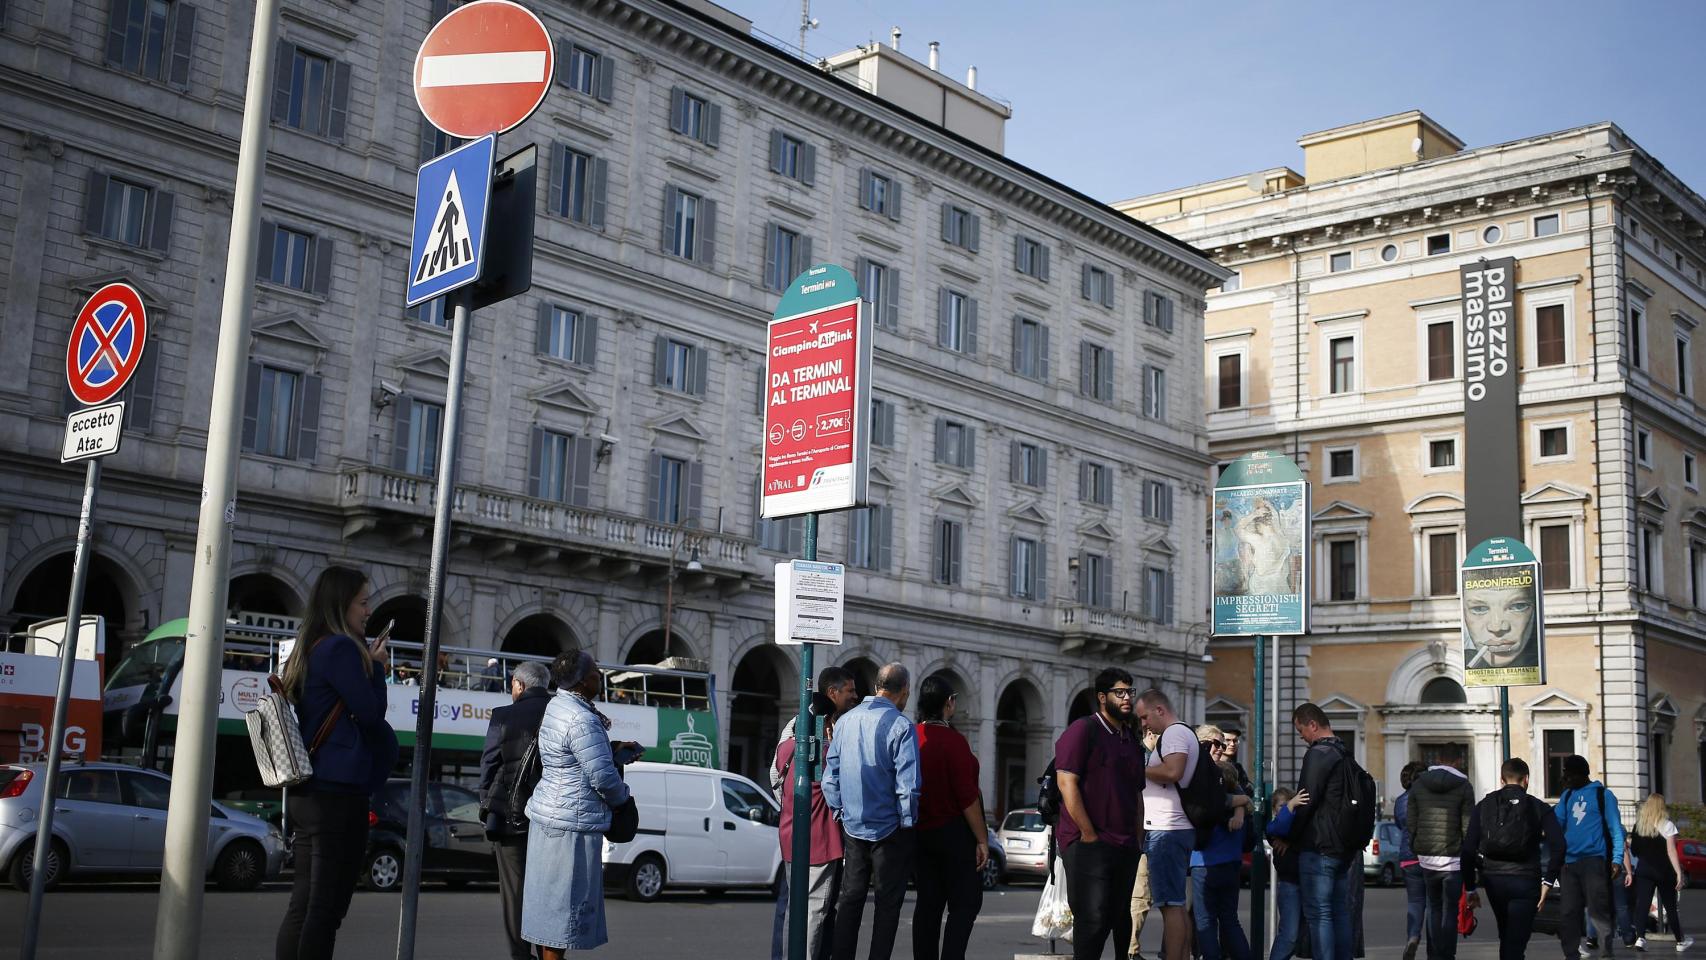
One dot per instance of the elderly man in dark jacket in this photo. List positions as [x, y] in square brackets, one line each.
[1440, 803]
[511, 732]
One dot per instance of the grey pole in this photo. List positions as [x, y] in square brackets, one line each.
[805, 743]
[61, 700]
[177, 932]
[460, 319]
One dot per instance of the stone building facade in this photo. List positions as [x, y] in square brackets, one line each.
[1039, 456]
[1337, 344]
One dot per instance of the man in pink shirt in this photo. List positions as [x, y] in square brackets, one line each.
[824, 873]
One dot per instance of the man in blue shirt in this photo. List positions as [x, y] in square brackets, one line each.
[870, 780]
[1594, 857]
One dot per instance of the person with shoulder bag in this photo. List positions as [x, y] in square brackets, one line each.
[1501, 853]
[337, 683]
[572, 808]
[509, 772]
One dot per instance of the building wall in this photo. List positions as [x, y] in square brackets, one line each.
[598, 570]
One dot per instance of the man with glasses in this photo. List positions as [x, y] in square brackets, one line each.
[1098, 766]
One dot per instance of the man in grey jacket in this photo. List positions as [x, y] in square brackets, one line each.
[1440, 803]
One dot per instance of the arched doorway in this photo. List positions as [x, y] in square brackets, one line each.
[966, 717]
[44, 592]
[1082, 705]
[655, 647]
[864, 675]
[260, 593]
[1443, 690]
[1022, 746]
[541, 635]
[409, 612]
[756, 709]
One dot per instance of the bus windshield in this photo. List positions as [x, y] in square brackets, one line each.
[147, 663]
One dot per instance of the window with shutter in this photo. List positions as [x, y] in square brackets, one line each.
[273, 411]
[419, 429]
[947, 548]
[1442, 350]
[1550, 336]
[882, 423]
[118, 209]
[960, 227]
[587, 71]
[576, 189]
[1030, 257]
[153, 39]
[311, 92]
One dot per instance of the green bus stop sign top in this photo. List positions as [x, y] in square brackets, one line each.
[821, 286]
[1498, 551]
[1263, 466]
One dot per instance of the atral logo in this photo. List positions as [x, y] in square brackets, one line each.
[690, 747]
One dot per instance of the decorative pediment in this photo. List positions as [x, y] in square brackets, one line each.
[1553, 492]
[880, 477]
[1160, 545]
[1654, 499]
[1096, 530]
[955, 494]
[1028, 513]
[564, 396]
[1340, 510]
[1223, 705]
[679, 425]
[1435, 503]
[290, 328]
[1338, 703]
[1663, 706]
[1697, 519]
[434, 365]
[152, 299]
[1556, 701]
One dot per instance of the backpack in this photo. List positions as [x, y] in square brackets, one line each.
[1509, 831]
[1351, 821]
[1204, 795]
[1048, 788]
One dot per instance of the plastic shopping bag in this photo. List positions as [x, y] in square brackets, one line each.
[1054, 914]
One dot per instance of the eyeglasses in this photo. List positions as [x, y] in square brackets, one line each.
[1124, 693]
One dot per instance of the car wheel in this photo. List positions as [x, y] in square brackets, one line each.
[21, 874]
[1389, 875]
[241, 866]
[384, 870]
[991, 873]
[646, 878]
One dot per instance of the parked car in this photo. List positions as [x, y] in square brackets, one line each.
[1380, 857]
[995, 868]
[111, 819]
[698, 828]
[1024, 841]
[1692, 854]
[456, 849]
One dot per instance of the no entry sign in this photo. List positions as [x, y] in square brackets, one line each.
[106, 343]
[817, 372]
[483, 69]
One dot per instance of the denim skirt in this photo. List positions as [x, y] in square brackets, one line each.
[562, 904]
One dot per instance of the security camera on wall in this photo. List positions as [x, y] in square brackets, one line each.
[387, 392]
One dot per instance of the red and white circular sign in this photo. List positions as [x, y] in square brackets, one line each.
[106, 343]
[484, 69]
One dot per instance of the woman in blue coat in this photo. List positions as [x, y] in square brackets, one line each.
[332, 669]
[563, 896]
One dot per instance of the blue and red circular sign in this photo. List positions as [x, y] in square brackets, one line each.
[106, 343]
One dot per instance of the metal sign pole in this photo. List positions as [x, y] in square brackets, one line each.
[1274, 754]
[61, 702]
[1259, 860]
[805, 748]
[1505, 721]
[177, 934]
[460, 320]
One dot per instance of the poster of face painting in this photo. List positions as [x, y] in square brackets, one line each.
[1261, 533]
[1503, 624]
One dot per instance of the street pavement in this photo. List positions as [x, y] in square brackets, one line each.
[116, 922]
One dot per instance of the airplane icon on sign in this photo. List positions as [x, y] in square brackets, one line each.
[814, 324]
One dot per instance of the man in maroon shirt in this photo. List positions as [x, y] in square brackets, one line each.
[953, 843]
[824, 872]
[1098, 764]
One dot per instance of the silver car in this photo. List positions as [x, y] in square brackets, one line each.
[1025, 838]
[111, 819]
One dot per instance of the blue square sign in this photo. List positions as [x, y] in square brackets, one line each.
[452, 195]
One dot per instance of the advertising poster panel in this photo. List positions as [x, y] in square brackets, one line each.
[1261, 544]
[1504, 625]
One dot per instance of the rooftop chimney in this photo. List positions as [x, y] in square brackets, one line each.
[935, 54]
[971, 77]
[894, 39]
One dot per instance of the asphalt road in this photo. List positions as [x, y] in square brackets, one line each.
[116, 922]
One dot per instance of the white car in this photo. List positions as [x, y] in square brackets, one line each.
[701, 828]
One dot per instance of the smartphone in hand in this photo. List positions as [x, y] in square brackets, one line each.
[378, 643]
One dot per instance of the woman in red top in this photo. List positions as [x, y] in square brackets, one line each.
[953, 843]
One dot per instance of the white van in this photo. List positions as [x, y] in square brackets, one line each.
[698, 828]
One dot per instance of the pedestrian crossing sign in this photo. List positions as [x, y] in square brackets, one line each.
[452, 196]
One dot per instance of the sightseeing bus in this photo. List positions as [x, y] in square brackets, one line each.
[667, 708]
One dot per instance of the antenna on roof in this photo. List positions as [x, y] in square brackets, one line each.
[806, 23]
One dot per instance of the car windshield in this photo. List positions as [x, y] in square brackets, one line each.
[1021, 821]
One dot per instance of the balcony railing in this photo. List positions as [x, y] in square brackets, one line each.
[495, 514]
[1093, 627]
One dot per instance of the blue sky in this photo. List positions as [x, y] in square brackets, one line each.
[1119, 99]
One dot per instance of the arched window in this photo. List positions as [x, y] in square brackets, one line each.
[1443, 690]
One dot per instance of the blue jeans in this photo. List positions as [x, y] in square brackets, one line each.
[1444, 888]
[1169, 853]
[1219, 936]
[1325, 887]
[1416, 896]
[1288, 920]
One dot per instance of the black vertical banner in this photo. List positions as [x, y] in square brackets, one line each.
[1491, 423]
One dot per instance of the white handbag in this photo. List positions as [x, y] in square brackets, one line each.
[283, 759]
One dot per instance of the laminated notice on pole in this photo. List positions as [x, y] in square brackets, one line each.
[809, 598]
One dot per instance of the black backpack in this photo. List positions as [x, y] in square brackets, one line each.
[1351, 820]
[1509, 829]
[521, 789]
[1048, 787]
[1204, 795]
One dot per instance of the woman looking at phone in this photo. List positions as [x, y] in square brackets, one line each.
[337, 682]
